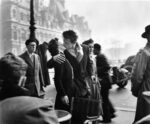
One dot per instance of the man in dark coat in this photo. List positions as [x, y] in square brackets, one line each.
[103, 73]
[42, 52]
[34, 74]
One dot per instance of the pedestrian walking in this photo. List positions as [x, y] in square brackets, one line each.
[103, 73]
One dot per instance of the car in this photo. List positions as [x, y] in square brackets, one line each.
[121, 75]
[128, 63]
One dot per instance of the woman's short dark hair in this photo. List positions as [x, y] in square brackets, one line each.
[53, 46]
[87, 42]
[31, 40]
[70, 34]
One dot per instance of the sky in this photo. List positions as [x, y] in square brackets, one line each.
[114, 23]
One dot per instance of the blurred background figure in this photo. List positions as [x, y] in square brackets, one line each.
[103, 73]
[35, 82]
[12, 74]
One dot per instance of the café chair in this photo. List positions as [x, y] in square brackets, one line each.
[63, 116]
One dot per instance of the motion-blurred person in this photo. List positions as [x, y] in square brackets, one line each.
[103, 73]
[12, 74]
[34, 74]
[63, 78]
[141, 78]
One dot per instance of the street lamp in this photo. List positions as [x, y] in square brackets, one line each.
[32, 23]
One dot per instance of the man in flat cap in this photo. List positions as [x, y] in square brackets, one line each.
[141, 78]
[34, 74]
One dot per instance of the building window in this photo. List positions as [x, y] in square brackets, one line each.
[14, 33]
[21, 16]
[14, 14]
[23, 35]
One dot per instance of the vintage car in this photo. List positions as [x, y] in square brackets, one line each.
[121, 75]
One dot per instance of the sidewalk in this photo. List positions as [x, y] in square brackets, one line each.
[124, 116]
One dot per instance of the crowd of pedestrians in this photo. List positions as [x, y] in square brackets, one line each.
[80, 71]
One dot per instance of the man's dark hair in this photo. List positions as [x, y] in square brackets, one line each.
[97, 46]
[31, 40]
[87, 42]
[70, 34]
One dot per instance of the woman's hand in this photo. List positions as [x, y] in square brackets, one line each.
[59, 58]
[65, 99]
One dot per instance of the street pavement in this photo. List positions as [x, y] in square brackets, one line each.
[122, 100]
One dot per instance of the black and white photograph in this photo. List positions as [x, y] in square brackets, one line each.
[74, 62]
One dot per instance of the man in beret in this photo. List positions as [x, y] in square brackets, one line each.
[27, 110]
[16, 107]
[12, 76]
[34, 74]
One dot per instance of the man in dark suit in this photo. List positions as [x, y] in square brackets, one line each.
[103, 73]
[34, 75]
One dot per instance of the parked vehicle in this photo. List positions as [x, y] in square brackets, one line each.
[129, 63]
[121, 75]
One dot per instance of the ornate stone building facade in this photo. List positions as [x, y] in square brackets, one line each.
[50, 21]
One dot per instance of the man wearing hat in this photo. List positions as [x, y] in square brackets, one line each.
[141, 78]
[16, 107]
[12, 76]
[34, 75]
[27, 110]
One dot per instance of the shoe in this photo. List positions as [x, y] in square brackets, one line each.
[105, 121]
[113, 116]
